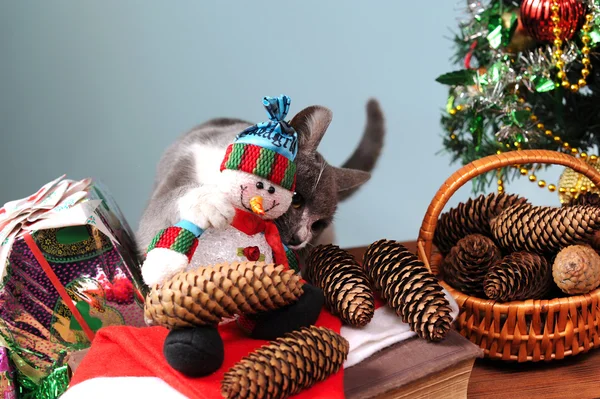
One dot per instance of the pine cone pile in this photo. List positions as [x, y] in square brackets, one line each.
[287, 365]
[501, 247]
[346, 286]
[209, 294]
[544, 230]
[409, 288]
[576, 269]
[519, 276]
[468, 262]
[471, 217]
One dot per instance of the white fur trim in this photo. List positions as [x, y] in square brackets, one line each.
[162, 263]
[206, 207]
[385, 329]
[122, 388]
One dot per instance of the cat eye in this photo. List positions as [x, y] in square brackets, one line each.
[271, 190]
[260, 185]
[297, 200]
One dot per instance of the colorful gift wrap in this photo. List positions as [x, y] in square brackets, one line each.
[7, 382]
[68, 267]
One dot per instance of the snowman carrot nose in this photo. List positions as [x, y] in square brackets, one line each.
[256, 204]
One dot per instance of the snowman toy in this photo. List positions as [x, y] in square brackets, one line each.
[233, 221]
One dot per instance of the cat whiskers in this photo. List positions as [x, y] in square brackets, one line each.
[323, 165]
[308, 244]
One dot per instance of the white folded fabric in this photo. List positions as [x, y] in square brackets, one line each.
[385, 329]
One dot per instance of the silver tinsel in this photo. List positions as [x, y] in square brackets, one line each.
[475, 7]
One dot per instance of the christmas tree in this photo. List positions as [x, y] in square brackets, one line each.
[529, 78]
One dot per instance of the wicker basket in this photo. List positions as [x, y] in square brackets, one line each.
[521, 331]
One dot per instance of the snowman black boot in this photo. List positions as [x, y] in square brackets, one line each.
[194, 352]
[302, 313]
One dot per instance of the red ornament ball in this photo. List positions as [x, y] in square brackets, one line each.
[536, 17]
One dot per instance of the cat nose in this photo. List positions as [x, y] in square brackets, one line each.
[295, 240]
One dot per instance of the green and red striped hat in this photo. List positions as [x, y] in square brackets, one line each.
[267, 149]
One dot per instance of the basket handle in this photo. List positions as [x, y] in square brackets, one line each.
[484, 165]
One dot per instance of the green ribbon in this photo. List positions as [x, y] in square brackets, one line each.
[507, 34]
[463, 77]
[519, 137]
[542, 84]
[50, 387]
[495, 72]
[450, 104]
[476, 129]
[594, 35]
[498, 34]
[520, 117]
[495, 37]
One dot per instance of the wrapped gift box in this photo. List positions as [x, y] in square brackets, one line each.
[7, 382]
[68, 267]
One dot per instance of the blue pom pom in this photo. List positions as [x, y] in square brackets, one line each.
[277, 107]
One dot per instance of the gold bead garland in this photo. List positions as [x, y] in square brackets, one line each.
[566, 146]
[557, 53]
[500, 181]
[531, 174]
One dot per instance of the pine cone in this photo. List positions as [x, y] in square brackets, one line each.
[209, 294]
[471, 217]
[517, 277]
[576, 269]
[468, 262]
[344, 282]
[409, 288]
[287, 365]
[589, 198]
[544, 230]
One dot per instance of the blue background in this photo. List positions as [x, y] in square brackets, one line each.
[101, 88]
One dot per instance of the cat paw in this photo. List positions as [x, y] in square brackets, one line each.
[206, 207]
[162, 264]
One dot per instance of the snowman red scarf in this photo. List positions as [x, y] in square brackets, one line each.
[251, 224]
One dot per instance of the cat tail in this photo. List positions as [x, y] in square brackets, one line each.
[367, 153]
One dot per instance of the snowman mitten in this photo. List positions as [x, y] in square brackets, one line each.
[170, 252]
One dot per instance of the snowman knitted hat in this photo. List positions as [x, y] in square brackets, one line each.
[267, 149]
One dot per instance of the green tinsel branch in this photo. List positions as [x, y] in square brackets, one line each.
[508, 99]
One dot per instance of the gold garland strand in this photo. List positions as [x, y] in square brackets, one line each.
[557, 53]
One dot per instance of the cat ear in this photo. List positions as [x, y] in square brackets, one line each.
[348, 179]
[311, 124]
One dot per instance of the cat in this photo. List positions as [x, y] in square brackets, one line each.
[191, 164]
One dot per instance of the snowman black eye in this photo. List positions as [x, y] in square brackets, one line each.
[260, 185]
[271, 190]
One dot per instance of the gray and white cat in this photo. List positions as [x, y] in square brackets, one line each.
[190, 166]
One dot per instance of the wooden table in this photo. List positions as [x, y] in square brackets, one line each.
[577, 377]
